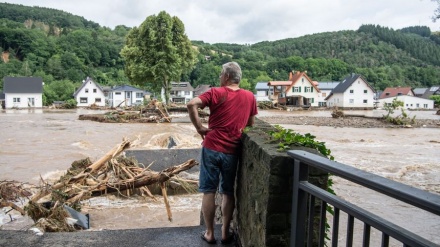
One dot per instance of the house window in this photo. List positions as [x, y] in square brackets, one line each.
[94, 90]
[186, 92]
[425, 105]
[297, 89]
[87, 90]
[82, 100]
[16, 100]
[365, 101]
[312, 100]
[182, 85]
[302, 79]
[417, 105]
[98, 100]
[399, 93]
[351, 91]
[365, 91]
[351, 101]
[387, 94]
[139, 95]
[117, 93]
[306, 89]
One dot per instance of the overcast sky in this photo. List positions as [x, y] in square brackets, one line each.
[252, 21]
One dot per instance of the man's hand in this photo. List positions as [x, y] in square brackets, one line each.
[203, 131]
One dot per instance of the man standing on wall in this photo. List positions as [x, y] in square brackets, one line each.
[231, 110]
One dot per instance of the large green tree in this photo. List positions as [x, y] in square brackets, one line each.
[158, 52]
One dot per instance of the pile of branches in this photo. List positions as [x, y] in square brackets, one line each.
[336, 113]
[112, 173]
[155, 112]
[12, 192]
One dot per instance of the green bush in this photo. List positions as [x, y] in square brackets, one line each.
[70, 104]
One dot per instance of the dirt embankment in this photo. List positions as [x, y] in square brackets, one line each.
[352, 122]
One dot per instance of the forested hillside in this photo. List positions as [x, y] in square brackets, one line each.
[64, 49]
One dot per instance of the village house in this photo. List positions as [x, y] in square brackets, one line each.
[407, 96]
[325, 89]
[23, 92]
[396, 91]
[89, 93]
[418, 92]
[263, 91]
[354, 92]
[434, 90]
[125, 96]
[181, 92]
[299, 91]
[409, 102]
[201, 89]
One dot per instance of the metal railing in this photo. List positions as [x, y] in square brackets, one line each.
[306, 195]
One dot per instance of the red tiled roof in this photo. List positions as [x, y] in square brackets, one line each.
[394, 91]
[279, 83]
[294, 77]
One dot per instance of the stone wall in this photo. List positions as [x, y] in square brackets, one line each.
[264, 190]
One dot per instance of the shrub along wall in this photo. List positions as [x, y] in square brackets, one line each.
[264, 190]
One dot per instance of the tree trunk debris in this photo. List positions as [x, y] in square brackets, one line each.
[112, 173]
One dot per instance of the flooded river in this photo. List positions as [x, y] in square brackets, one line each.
[45, 142]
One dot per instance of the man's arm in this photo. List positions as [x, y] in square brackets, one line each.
[193, 106]
[251, 121]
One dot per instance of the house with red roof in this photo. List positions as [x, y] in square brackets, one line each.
[396, 91]
[405, 95]
[299, 91]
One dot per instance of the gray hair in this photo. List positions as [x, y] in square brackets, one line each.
[233, 70]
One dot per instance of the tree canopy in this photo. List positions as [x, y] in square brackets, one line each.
[158, 52]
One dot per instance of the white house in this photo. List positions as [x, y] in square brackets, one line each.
[23, 92]
[299, 91]
[89, 93]
[181, 92]
[409, 102]
[325, 89]
[263, 91]
[125, 96]
[302, 91]
[354, 92]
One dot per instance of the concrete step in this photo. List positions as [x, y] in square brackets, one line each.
[163, 237]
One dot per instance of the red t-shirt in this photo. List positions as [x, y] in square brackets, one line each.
[229, 113]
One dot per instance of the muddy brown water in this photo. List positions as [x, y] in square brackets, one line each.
[44, 143]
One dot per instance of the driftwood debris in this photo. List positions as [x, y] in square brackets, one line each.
[11, 192]
[112, 173]
[154, 112]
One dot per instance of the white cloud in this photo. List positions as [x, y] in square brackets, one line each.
[246, 21]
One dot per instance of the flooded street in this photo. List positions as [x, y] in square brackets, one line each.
[44, 143]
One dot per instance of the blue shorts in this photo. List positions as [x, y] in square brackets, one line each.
[217, 168]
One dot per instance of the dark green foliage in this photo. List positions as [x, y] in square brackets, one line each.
[287, 138]
[59, 46]
[70, 104]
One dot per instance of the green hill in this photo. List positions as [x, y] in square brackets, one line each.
[64, 49]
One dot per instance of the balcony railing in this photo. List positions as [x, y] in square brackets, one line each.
[306, 196]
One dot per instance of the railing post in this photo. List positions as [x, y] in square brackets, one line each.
[299, 205]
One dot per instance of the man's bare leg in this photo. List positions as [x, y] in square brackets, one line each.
[228, 204]
[208, 209]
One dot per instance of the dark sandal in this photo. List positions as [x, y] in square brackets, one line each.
[229, 239]
[213, 241]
